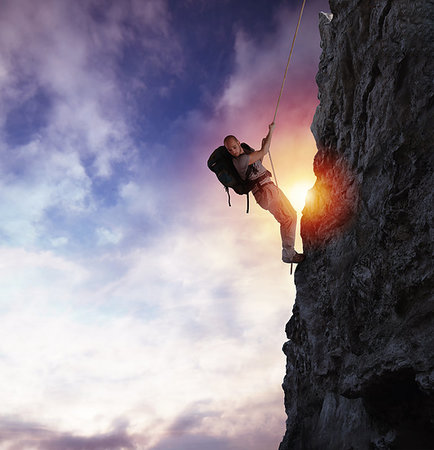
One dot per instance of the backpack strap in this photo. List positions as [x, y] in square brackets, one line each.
[247, 199]
[247, 150]
[229, 195]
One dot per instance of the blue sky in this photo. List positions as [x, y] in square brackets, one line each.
[136, 309]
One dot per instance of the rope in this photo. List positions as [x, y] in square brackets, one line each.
[283, 82]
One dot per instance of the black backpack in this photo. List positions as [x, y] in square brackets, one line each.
[221, 163]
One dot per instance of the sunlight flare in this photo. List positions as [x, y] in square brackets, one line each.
[297, 194]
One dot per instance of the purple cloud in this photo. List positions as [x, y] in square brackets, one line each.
[19, 435]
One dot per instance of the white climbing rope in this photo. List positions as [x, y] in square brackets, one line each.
[283, 83]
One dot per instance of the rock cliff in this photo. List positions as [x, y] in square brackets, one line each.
[360, 351]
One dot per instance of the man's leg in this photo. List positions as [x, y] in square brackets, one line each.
[271, 198]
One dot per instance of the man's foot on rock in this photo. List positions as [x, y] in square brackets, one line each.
[291, 256]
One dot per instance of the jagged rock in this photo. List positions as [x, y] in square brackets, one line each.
[360, 355]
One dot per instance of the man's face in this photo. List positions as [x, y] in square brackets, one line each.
[234, 147]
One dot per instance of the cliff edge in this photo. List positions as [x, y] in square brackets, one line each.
[360, 355]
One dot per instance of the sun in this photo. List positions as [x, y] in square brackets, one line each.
[297, 194]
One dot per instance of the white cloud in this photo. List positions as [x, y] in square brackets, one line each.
[61, 50]
[106, 236]
[109, 346]
[144, 335]
[140, 199]
[53, 179]
[59, 241]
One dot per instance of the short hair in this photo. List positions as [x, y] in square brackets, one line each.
[229, 136]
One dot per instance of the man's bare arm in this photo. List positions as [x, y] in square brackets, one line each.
[265, 147]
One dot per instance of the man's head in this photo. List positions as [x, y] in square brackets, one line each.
[233, 146]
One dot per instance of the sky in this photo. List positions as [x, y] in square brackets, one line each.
[137, 310]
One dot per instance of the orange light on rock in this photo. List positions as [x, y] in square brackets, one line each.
[332, 201]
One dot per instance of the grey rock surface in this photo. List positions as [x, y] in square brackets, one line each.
[360, 355]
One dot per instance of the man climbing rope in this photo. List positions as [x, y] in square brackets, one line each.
[266, 193]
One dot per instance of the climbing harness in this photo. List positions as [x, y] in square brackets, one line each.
[283, 83]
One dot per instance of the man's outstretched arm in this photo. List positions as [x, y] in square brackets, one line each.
[265, 147]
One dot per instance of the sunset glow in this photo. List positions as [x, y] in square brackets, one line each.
[297, 194]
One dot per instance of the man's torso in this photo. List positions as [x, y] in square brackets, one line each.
[242, 164]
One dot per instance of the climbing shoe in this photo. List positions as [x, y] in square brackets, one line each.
[291, 256]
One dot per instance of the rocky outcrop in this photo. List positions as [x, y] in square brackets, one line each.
[360, 355]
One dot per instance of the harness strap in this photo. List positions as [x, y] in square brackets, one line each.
[260, 184]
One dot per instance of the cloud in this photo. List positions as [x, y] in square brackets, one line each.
[190, 430]
[67, 120]
[196, 442]
[115, 441]
[62, 59]
[106, 337]
[192, 418]
[34, 180]
[197, 429]
[137, 295]
[106, 236]
[18, 435]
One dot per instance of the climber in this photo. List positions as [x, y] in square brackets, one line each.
[266, 193]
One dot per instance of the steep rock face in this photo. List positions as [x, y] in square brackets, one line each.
[360, 355]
